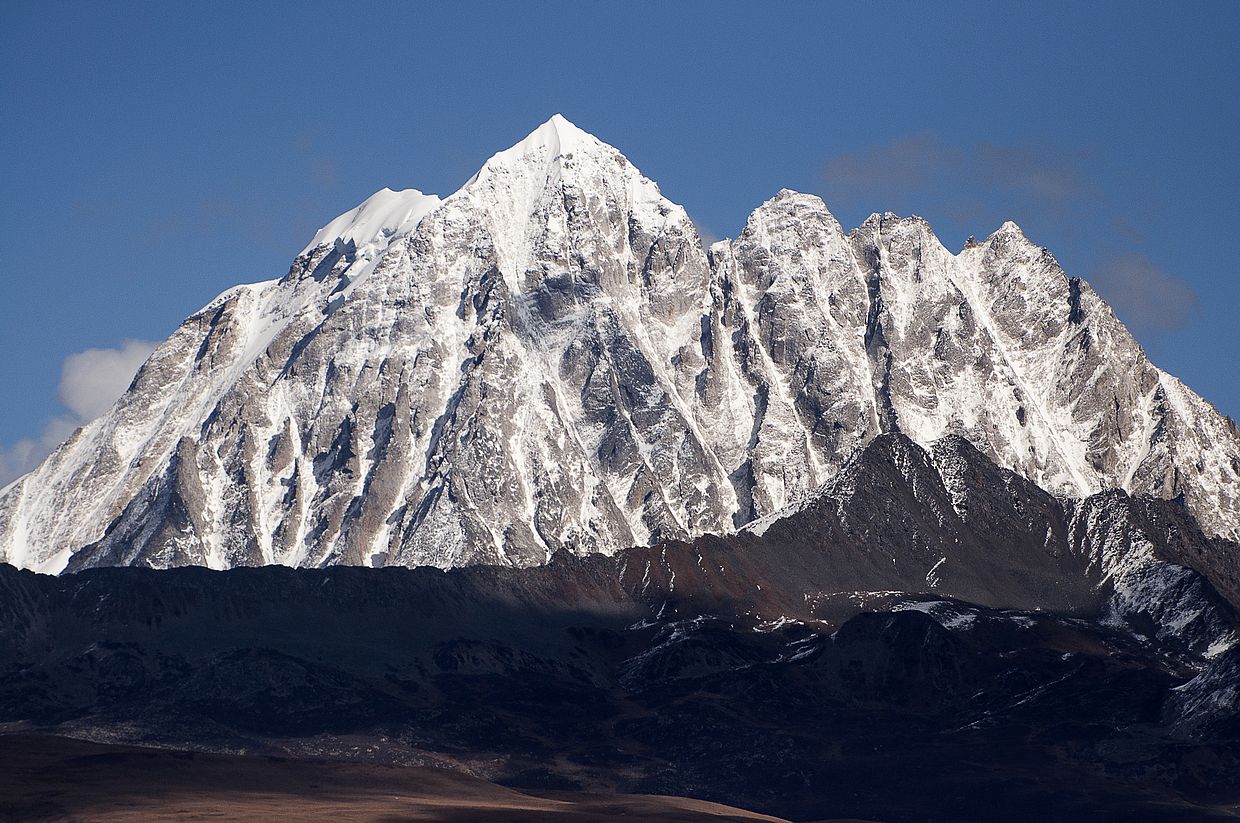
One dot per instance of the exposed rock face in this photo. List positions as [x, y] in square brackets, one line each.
[548, 359]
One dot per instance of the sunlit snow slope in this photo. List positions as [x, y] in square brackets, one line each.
[550, 359]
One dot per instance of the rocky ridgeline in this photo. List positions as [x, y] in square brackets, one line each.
[549, 360]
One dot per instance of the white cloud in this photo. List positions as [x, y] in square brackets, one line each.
[25, 454]
[90, 382]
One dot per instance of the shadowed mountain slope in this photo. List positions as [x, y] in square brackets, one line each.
[925, 620]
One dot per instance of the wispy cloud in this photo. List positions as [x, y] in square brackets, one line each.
[907, 163]
[238, 209]
[1146, 297]
[705, 234]
[90, 382]
[322, 165]
[922, 173]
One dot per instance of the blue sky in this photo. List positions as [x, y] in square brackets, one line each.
[154, 154]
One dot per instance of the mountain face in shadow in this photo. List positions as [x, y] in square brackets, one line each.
[925, 637]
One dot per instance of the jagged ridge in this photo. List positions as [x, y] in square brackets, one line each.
[548, 359]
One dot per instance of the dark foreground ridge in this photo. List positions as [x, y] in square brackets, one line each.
[928, 638]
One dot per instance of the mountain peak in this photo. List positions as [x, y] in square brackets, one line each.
[381, 216]
[520, 189]
[552, 139]
[565, 134]
[1008, 229]
[387, 213]
[542, 158]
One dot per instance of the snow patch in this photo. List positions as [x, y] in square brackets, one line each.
[384, 215]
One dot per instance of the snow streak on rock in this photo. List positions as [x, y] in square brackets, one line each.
[549, 359]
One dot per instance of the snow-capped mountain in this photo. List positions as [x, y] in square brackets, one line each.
[549, 359]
